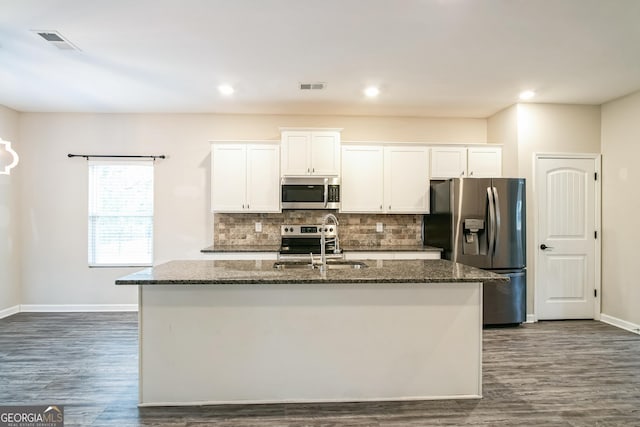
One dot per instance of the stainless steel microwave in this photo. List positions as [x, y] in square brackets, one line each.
[311, 193]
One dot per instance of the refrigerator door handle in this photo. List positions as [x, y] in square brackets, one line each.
[496, 208]
[492, 221]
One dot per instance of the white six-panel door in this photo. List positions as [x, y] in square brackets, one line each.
[566, 244]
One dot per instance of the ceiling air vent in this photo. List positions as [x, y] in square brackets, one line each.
[56, 39]
[312, 86]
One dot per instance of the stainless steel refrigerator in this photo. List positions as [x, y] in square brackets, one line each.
[481, 222]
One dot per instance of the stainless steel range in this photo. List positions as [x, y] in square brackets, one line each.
[302, 241]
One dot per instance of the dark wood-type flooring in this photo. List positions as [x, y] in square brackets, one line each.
[571, 373]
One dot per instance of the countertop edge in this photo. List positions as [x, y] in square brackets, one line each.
[271, 248]
[317, 281]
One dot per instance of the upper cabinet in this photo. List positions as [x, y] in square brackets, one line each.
[310, 152]
[448, 162]
[362, 179]
[245, 177]
[392, 179]
[473, 162]
[484, 162]
[406, 179]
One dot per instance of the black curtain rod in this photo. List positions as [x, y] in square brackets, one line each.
[117, 156]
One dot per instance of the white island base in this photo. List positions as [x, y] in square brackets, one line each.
[218, 344]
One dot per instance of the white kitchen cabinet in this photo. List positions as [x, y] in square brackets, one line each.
[377, 179]
[245, 177]
[484, 162]
[473, 162]
[448, 162]
[314, 152]
[406, 179]
[362, 179]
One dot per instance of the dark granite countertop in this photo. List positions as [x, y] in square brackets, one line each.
[347, 248]
[405, 248]
[238, 248]
[210, 272]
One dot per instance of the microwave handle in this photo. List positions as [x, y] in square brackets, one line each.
[326, 192]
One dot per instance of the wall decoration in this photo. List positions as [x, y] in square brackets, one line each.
[8, 157]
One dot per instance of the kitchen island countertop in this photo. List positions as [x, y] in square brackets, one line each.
[346, 248]
[215, 272]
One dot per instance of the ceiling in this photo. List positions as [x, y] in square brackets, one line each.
[451, 58]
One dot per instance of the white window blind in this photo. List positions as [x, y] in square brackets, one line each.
[120, 213]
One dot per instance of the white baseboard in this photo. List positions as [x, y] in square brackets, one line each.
[622, 324]
[531, 318]
[9, 311]
[77, 307]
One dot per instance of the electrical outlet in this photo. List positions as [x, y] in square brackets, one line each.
[379, 227]
[258, 227]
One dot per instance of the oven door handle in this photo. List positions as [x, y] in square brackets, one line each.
[326, 192]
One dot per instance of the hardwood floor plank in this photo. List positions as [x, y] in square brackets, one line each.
[570, 373]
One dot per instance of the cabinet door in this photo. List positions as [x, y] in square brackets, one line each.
[296, 153]
[448, 162]
[406, 177]
[362, 183]
[228, 177]
[263, 178]
[484, 162]
[325, 153]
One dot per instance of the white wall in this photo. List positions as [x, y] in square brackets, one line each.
[502, 128]
[53, 188]
[9, 218]
[621, 204]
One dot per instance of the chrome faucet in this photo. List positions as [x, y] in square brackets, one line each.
[323, 240]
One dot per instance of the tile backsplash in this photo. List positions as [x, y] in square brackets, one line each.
[355, 229]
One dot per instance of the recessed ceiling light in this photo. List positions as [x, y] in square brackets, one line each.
[372, 91]
[226, 89]
[527, 94]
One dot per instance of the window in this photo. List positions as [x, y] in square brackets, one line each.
[120, 213]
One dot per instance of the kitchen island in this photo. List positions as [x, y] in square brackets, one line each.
[216, 332]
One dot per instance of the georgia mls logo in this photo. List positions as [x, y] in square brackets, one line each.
[32, 416]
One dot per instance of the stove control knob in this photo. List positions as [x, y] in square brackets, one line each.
[331, 229]
[286, 229]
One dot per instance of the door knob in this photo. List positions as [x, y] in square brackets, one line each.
[544, 247]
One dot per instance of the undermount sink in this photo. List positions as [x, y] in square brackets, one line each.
[331, 265]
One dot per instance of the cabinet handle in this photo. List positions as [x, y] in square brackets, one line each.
[389, 207]
[380, 207]
[462, 174]
[308, 170]
[471, 173]
[242, 206]
[313, 170]
[247, 206]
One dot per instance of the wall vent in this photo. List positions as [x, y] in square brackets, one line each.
[56, 39]
[313, 86]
